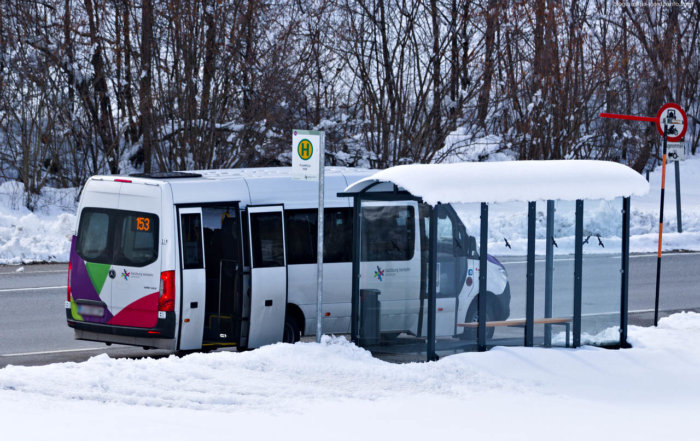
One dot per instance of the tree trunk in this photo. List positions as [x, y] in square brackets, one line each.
[437, 89]
[145, 94]
[489, 37]
[104, 122]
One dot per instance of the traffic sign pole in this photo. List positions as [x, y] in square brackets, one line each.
[670, 118]
[661, 229]
[677, 168]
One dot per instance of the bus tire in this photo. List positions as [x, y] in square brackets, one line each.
[292, 329]
[473, 317]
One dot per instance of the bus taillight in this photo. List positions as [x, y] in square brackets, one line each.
[166, 299]
[70, 267]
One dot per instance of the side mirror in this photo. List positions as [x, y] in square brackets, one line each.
[471, 248]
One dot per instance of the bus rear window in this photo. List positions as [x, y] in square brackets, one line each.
[118, 237]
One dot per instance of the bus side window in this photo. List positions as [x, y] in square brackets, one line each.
[302, 235]
[266, 231]
[192, 256]
[337, 235]
[246, 239]
[387, 233]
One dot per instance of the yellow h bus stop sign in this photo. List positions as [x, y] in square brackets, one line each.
[307, 147]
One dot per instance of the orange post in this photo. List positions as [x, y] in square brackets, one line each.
[661, 229]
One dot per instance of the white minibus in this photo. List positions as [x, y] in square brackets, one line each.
[213, 258]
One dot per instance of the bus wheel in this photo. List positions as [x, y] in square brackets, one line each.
[292, 330]
[473, 317]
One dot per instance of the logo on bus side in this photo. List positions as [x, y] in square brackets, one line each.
[126, 275]
[379, 273]
[305, 149]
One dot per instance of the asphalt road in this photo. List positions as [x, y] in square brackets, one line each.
[34, 329]
[679, 289]
[33, 317]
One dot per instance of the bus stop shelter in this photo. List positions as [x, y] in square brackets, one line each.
[412, 255]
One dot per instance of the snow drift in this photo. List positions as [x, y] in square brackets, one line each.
[335, 390]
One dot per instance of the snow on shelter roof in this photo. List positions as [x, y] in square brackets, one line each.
[510, 181]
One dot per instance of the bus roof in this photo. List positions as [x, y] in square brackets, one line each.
[508, 181]
[266, 185]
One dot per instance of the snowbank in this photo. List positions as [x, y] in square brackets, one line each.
[460, 146]
[337, 391]
[40, 236]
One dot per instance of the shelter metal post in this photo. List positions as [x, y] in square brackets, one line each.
[624, 290]
[432, 282]
[483, 263]
[578, 272]
[530, 281]
[548, 272]
[356, 249]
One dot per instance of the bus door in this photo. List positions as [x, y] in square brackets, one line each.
[193, 278]
[268, 280]
[224, 271]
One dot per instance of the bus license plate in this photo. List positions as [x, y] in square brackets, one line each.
[95, 311]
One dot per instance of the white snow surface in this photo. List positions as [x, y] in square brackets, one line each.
[40, 236]
[461, 147]
[337, 391]
[509, 181]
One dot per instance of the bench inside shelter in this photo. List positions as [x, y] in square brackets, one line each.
[521, 323]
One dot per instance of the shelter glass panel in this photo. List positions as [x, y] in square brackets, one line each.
[507, 273]
[559, 305]
[456, 285]
[392, 304]
[602, 262]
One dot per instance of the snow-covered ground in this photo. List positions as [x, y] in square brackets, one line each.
[39, 236]
[337, 391]
[44, 235]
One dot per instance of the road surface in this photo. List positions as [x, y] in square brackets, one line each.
[34, 329]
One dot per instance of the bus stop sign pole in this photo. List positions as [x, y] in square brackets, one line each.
[319, 250]
[308, 164]
[672, 123]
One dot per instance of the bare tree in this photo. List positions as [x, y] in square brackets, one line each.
[145, 93]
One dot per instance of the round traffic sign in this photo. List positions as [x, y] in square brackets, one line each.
[675, 119]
